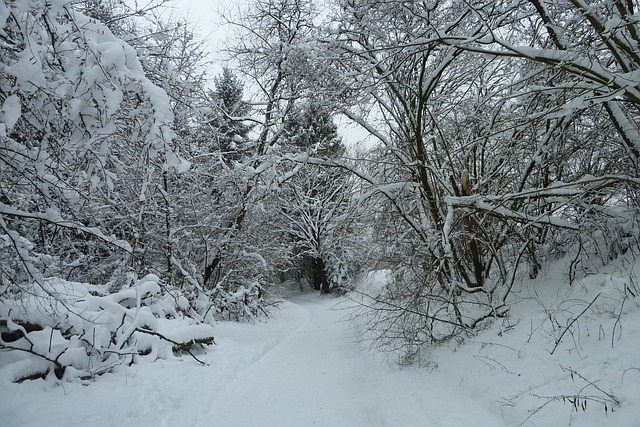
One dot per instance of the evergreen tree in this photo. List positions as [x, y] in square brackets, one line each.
[311, 129]
[229, 109]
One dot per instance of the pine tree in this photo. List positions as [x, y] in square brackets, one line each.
[231, 132]
[311, 128]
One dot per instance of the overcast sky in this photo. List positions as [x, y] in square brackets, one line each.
[203, 14]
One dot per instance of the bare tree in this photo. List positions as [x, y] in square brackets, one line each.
[491, 132]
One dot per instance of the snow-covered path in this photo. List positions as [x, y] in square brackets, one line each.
[319, 377]
[299, 368]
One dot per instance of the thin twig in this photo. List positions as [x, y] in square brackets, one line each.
[572, 322]
[591, 383]
[617, 322]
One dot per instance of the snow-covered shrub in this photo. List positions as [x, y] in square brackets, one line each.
[606, 233]
[244, 303]
[78, 330]
[342, 268]
[613, 232]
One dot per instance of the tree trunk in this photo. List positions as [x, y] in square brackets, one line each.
[320, 279]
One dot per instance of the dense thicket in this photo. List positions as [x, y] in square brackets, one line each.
[509, 135]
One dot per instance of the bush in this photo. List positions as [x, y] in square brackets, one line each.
[77, 330]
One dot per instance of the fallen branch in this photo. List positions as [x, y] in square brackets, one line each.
[579, 400]
[180, 346]
[572, 322]
[58, 370]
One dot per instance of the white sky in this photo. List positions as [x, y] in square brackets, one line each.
[203, 14]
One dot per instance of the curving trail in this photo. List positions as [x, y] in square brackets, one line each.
[319, 377]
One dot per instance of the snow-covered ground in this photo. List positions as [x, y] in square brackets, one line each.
[318, 376]
[302, 367]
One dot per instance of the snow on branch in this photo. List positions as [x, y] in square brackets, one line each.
[557, 189]
[77, 330]
[494, 204]
[52, 216]
[480, 204]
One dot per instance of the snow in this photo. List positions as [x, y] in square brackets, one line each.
[300, 368]
[11, 111]
[305, 365]
[53, 216]
[319, 376]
